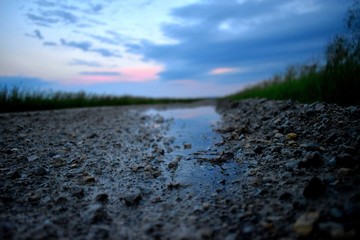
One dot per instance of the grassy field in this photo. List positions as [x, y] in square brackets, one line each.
[340, 85]
[17, 100]
[338, 81]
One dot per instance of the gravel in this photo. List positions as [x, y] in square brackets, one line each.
[102, 173]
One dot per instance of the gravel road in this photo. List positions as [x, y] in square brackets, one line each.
[276, 169]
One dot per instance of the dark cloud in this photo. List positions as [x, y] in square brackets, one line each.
[106, 40]
[36, 34]
[215, 34]
[96, 8]
[103, 73]
[42, 21]
[62, 16]
[50, 44]
[79, 62]
[88, 47]
[83, 45]
[106, 52]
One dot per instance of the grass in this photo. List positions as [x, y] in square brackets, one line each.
[307, 84]
[16, 100]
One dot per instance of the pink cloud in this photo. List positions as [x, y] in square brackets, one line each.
[140, 74]
[217, 71]
[126, 74]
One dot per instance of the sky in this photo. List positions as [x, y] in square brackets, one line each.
[160, 48]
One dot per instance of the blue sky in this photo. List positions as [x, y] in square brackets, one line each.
[160, 48]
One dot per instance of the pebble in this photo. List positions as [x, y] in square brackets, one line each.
[102, 197]
[278, 135]
[32, 158]
[305, 223]
[291, 136]
[173, 165]
[187, 145]
[132, 198]
[315, 188]
[332, 229]
[311, 159]
[88, 179]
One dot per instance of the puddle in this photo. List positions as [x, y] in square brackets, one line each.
[195, 146]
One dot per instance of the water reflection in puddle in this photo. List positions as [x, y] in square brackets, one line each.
[195, 146]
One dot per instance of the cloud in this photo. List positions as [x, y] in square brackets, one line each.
[224, 70]
[50, 44]
[106, 52]
[79, 62]
[36, 34]
[41, 20]
[83, 45]
[86, 46]
[100, 73]
[238, 35]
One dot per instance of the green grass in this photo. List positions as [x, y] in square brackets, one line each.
[340, 85]
[16, 100]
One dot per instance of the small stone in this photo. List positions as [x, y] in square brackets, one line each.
[346, 160]
[286, 196]
[345, 171]
[173, 165]
[305, 223]
[102, 197]
[39, 171]
[335, 230]
[206, 205]
[314, 189]
[291, 136]
[89, 179]
[187, 145]
[291, 164]
[77, 192]
[34, 198]
[32, 158]
[132, 198]
[311, 159]
[278, 135]
[258, 149]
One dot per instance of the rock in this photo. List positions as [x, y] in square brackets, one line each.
[97, 214]
[39, 171]
[305, 223]
[346, 160]
[314, 189]
[332, 229]
[258, 149]
[89, 179]
[132, 198]
[102, 197]
[291, 164]
[278, 135]
[32, 158]
[285, 196]
[187, 145]
[77, 192]
[311, 159]
[291, 136]
[173, 165]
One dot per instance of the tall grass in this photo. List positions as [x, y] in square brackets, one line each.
[340, 85]
[16, 99]
[336, 82]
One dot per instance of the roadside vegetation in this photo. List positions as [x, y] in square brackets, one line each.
[336, 81]
[17, 100]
